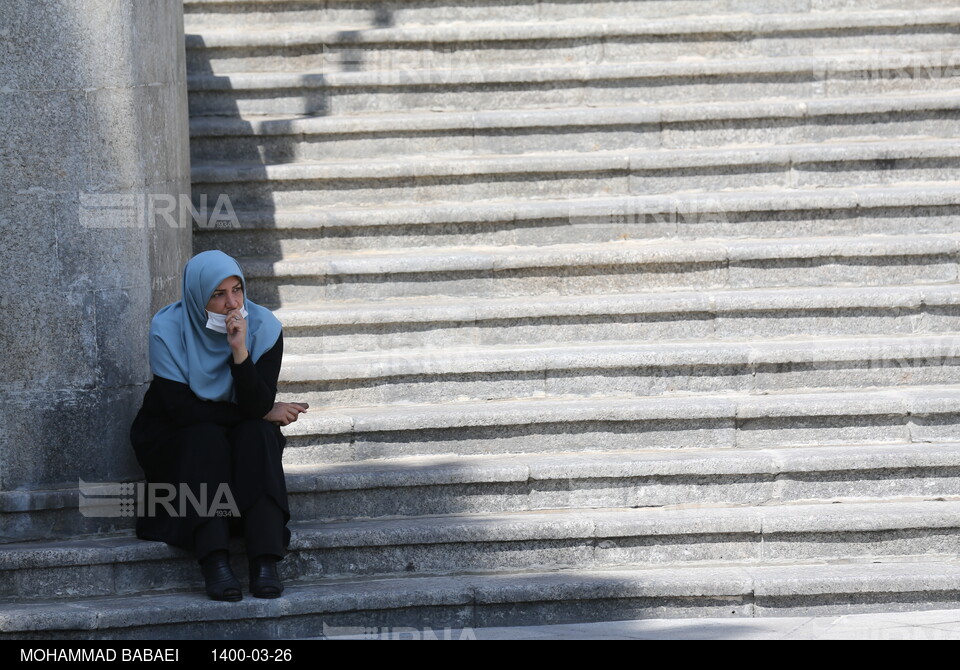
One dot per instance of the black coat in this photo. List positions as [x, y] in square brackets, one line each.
[180, 438]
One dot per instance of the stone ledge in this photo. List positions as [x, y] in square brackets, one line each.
[717, 303]
[413, 472]
[756, 26]
[547, 467]
[460, 601]
[875, 351]
[626, 162]
[823, 68]
[888, 401]
[772, 201]
[605, 254]
[810, 109]
[577, 524]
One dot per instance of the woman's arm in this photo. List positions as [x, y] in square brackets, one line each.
[256, 384]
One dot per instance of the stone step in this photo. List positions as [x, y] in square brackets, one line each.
[619, 369]
[596, 539]
[510, 542]
[500, 483]
[47, 514]
[751, 474]
[578, 175]
[204, 15]
[289, 232]
[896, 415]
[490, 484]
[328, 48]
[713, 80]
[611, 267]
[272, 140]
[338, 607]
[429, 605]
[432, 323]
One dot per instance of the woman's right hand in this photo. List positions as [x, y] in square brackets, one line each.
[285, 413]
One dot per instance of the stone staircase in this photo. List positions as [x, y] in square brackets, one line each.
[606, 310]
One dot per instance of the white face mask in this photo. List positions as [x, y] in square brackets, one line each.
[218, 322]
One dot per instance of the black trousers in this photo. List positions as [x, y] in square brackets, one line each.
[262, 532]
[248, 459]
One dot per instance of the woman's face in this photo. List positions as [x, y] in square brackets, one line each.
[227, 297]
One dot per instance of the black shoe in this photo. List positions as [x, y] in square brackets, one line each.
[264, 580]
[222, 584]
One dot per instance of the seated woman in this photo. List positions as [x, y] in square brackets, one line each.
[210, 418]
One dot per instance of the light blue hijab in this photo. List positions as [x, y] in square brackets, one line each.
[184, 350]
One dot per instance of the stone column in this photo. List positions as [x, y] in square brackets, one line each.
[94, 143]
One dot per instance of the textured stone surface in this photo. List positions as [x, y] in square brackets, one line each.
[620, 369]
[668, 126]
[510, 600]
[869, 416]
[287, 232]
[47, 145]
[823, 212]
[125, 360]
[598, 268]
[515, 541]
[205, 15]
[578, 176]
[86, 111]
[38, 335]
[55, 44]
[454, 90]
[88, 437]
[324, 48]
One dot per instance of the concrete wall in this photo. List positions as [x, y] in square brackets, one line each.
[93, 119]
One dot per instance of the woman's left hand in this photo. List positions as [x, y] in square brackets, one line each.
[237, 335]
[285, 413]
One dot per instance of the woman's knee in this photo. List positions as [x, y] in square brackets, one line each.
[205, 433]
[255, 427]
[253, 438]
[204, 443]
